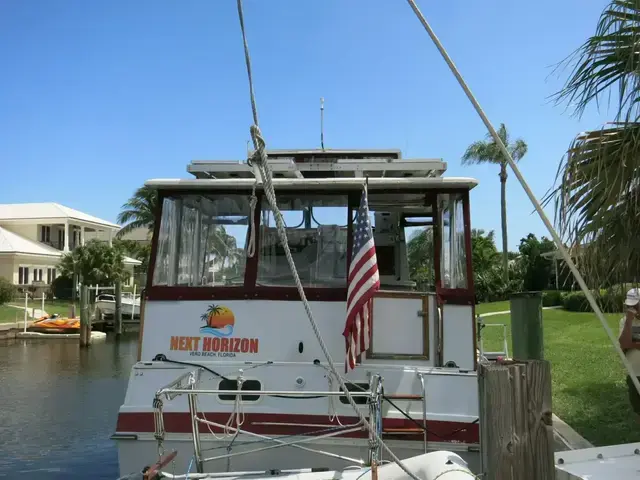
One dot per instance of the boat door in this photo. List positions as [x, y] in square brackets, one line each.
[424, 309]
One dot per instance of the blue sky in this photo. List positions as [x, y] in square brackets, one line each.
[98, 96]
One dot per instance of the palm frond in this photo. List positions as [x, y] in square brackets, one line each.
[610, 58]
[479, 152]
[597, 200]
[518, 149]
[139, 210]
[488, 151]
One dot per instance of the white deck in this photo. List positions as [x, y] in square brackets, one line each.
[620, 462]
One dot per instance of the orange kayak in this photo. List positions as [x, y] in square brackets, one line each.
[55, 324]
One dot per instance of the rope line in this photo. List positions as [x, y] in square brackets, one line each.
[261, 162]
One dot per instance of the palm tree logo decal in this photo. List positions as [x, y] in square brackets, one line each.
[219, 321]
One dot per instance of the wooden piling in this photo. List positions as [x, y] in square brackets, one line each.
[85, 317]
[516, 431]
[117, 321]
[74, 296]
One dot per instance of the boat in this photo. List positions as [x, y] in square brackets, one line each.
[106, 303]
[55, 324]
[245, 328]
[428, 466]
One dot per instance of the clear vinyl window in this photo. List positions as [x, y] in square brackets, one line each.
[317, 235]
[453, 258]
[202, 241]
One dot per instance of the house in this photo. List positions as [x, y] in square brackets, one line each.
[140, 235]
[34, 236]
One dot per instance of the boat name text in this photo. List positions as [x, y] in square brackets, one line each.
[216, 346]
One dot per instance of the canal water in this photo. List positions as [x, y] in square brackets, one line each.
[58, 407]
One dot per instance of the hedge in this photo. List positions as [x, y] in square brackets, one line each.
[7, 291]
[553, 298]
[610, 301]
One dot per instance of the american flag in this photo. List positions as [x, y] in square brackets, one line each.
[364, 281]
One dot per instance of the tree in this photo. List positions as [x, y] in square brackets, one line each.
[133, 249]
[487, 151]
[420, 251]
[139, 211]
[484, 253]
[538, 270]
[598, 194]
[488, 278]
[95, 262]
[139, 251]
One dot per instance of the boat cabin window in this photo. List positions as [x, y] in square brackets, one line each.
[453, 258]
[199, 238]
[402, 226]
[202, 241]
[317, 235]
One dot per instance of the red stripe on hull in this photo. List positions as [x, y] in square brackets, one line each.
[180, 422]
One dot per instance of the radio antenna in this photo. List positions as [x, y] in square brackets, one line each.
[322, 123]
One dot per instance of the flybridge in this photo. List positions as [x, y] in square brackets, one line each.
[325, 164]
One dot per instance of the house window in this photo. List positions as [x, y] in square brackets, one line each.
[51, 275]
[37, 275]
[45, 233]
[23, 275]
[60, 238]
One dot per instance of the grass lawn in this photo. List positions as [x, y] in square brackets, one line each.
[61, 307]
[588, 379]
[493, 307]
[10, 314]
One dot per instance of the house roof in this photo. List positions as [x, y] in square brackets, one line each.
[50, 210]
[131, 261]
[140, 234]
[13, 243]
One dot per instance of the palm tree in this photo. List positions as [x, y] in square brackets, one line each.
[211, 312]
[139, 211]
[487, 151]
[95, 263]
[598, 195]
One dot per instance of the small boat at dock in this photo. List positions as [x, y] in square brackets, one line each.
[106, 302]
[55, 324]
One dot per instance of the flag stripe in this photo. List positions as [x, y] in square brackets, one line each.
[363, 256]
[368, 279]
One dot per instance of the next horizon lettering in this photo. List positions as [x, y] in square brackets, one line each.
[215, 344]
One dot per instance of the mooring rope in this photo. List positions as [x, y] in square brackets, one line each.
[261, 163]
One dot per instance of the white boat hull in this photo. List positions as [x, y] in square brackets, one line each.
[133, 454]
[109, 308]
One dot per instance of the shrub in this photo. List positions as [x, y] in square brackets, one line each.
[552, 298]
[576, 302]
[62, 288]
[7, 291]
[610, 301]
